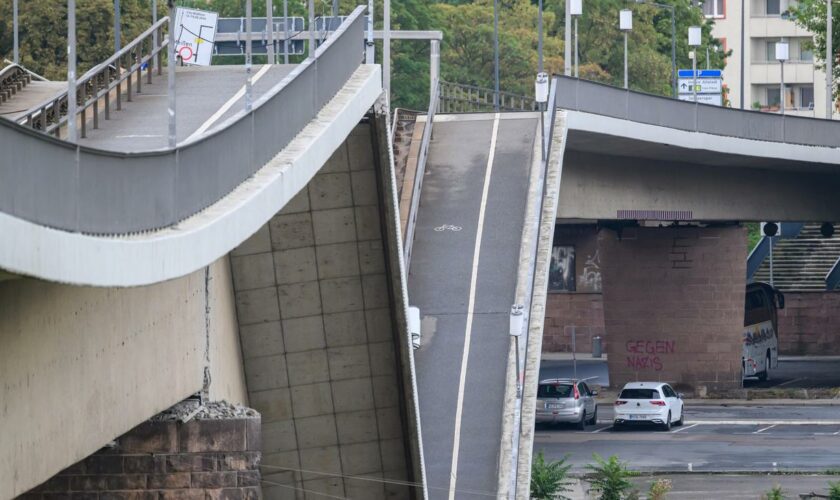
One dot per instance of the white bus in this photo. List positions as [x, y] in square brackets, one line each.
[761, 338]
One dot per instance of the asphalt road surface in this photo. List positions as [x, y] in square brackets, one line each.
[792, 373]
[464, 421]
[714, 438]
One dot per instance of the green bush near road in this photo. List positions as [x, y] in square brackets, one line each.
[549, 479]
[834, 490]
[775, 493]
[659, 488]
[609, 478]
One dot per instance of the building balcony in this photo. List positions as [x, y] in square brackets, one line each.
[796, 72]
[775, 26]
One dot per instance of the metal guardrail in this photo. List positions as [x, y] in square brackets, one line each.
[79, 189]
[12, 80]
[762, 248]
[597, 98]
[422, 156]
[98, 82]
[458, 98]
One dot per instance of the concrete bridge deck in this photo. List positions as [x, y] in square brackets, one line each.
[463, 278]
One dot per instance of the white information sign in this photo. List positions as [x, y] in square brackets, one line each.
[704, 85]
[195, 32]
[715, 99]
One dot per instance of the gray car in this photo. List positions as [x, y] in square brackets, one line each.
[566, 401]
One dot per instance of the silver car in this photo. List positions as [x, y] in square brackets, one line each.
[566, 401]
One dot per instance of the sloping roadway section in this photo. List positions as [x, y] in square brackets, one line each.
[463, 278]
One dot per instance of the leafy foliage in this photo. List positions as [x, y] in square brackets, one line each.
[775, 493]
[549, 479]
[834, 490]
[812, 15]
[658, 489]
[466, 51]
[609, 477]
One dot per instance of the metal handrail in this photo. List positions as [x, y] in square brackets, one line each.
[98, 82]
[422, 156]
[31, 73]
[12, 79]
[470, 98]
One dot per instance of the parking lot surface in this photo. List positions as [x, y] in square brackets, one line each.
[754, 439]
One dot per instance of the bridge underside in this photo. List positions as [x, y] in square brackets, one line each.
[614, 178]
[650, 253]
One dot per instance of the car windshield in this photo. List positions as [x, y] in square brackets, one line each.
[639, 394]
[554, 390]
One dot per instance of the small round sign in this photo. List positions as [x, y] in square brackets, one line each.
[185, 53]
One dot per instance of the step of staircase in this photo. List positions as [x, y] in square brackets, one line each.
[801, 263]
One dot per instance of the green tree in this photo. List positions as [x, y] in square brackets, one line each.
[43, 32]
[812, 15]
[549, 479]
[609, 477]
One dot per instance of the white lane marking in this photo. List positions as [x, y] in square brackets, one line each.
[766, 422]
[453, 477]
[448, 227]
[765, 428]
[229, 104]
[137, 136]
[792, 381]
[684, 428]
[601, 429]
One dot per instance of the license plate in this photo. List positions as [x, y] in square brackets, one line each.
[554, 406]
[638, 417]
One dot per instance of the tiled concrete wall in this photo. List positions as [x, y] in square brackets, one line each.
[674, 305]
[810, 324]
[318, 338]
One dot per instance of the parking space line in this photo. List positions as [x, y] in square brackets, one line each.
[792, 381]
[601, 429]
[764, 429]
[684, 428]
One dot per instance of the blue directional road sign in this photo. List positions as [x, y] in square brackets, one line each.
[701, 73]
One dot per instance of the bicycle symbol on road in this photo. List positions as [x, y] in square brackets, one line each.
[448, 227]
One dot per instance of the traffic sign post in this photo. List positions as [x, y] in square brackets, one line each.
[705, 86]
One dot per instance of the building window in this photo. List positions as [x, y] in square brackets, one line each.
[773, 7]
[806, 53]
[773, 96]
[714, 8]
[771, 51]
[806, 97]
[561, 275]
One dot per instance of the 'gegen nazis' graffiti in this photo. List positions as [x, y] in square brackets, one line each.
[643, 354]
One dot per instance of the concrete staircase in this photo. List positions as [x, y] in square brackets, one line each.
[801, 263]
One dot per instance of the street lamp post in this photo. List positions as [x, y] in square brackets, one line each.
[496, 55]
[625, 24]
[673, 40]
[269, 28]
[15, 29]
[829, 60]
[540, 37]
[117, 27]
[576, 10]
[694, 39]
[171, 59]
[71, 71]
[782, 56]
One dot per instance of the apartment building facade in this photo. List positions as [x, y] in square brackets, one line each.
[766, 24]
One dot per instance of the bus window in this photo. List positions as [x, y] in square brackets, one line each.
[756, 307]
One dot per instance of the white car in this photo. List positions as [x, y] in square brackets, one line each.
[649, 403]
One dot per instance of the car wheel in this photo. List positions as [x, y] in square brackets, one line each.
[682, 418]
[667, 425]
[594, 419]
[582, 424]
